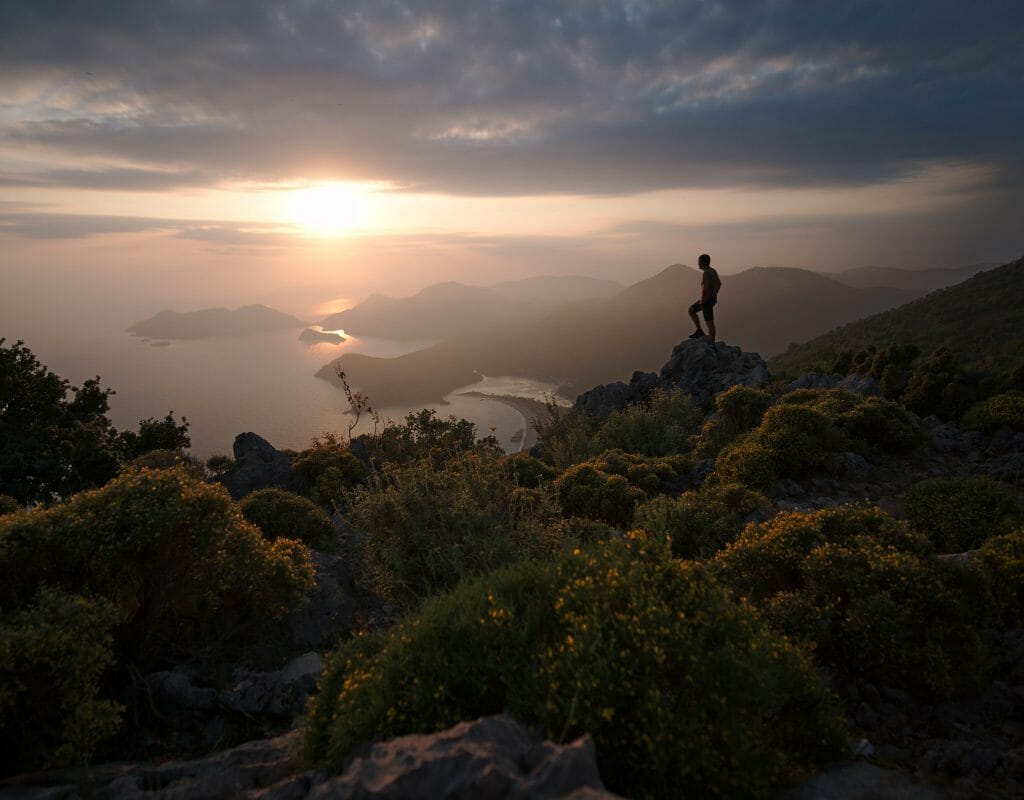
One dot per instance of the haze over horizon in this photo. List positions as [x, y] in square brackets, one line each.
[192, 154]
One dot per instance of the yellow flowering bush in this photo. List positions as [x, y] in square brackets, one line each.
[701, 522]
[1004, 410]
[737, 410]
[430, 526]
[284, 515]
[865, 593]
[958, 514]
[1001, 560]
[661, 426]
[329, 467]
[685, 693]
[173, 554]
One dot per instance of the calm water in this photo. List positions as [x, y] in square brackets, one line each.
[230, 384]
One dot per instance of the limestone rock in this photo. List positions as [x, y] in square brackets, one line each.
[608, 397]
[278, 693]
[859, 384]
[259, 466]
[702, 370]
[862, 781]
[332, 609]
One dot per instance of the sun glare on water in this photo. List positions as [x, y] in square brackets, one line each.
[327, 210]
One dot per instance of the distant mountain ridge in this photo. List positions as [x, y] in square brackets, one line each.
[214, 322]
[443, 310]
[925, 280]
[582, 344]
[980, 320]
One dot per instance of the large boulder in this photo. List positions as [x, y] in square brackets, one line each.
[493, 757]
[702, 369]
[258, 465]
[282, 692]
[608, 397]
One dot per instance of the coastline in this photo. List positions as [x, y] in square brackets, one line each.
[527, 407]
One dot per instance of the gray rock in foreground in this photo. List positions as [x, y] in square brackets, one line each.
[863, 781]
[492, 757]
[258, 465]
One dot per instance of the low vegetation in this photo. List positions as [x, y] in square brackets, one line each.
[959, 514]
[678, 686]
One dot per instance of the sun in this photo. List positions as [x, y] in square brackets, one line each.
[330, 209]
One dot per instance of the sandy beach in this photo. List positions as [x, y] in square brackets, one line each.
[529, 408]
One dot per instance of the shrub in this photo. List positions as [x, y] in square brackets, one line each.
[8, 505]
[737, 410]
[53, 654]
[329, 467]
[865, 593]
[878, 425]
[423, 435]
[748, 461]
[939, 386]
[153, 434]
[661, 426]
[566, 436]
[800, 438]
[1000, 411]
[959, 514]
[528, 471]
[429, 527]
[283, 515]
[679, 687]
[1001, 560]
[165, 459]
[702, 522]
[172, 553]
[607, 488]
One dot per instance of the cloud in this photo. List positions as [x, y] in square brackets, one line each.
[511, 97]
[16, 219]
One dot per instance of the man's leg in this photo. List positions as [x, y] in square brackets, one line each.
[709, 318]
[711, 331]
[696, 322]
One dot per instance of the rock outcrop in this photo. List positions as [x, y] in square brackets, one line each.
[492, 757]
[859, 384]
[696, 366]
[258, 465]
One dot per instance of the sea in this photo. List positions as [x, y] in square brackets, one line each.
[264, 383]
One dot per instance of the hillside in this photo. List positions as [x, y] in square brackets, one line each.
[437, 312]
[214, 322]
[444, 310]
[979, 320]
[924, 280]
[595, 341]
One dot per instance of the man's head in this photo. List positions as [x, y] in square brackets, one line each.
[704, 261]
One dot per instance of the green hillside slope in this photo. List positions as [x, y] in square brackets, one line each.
[981, 321]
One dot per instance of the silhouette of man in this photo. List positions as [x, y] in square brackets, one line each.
[710, 283]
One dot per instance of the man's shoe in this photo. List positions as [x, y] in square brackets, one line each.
[697, 334]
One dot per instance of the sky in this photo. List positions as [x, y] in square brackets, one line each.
[189, 153]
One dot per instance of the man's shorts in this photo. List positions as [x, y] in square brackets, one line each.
[707, 306]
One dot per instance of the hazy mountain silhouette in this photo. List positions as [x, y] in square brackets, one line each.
[553, 290]
[924, 280]
[214, 322]
[578, 345]
[450, 309]
[980, 320]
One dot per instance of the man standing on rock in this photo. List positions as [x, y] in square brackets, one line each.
[710, 283]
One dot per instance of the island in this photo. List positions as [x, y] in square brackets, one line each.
[214, 322]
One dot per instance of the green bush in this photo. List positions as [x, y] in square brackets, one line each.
[153, 434]
[700, 523]
[747, 461]
[608, 487]
[53, 654]
[423, 435]
[172, 553]
[865, 593]
[429, 527]
[959, 514]
[8, 505]
[566, 436]
[528, 471]
[283, 515]
[940, 386]
[737, 410]
[661, 426]
[879, 425]
[685, 693]
[329, 467]
[1004, 410]
[800, 438]
[1001, 560]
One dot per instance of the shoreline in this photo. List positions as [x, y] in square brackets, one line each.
[528, 408]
